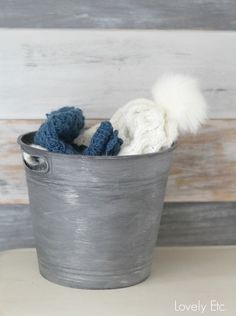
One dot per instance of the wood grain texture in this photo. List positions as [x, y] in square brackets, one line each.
[138, 14]
[15, 227]
[204, 165]
[102, 70]
[198, 224]
[203, 169]
[182, 224]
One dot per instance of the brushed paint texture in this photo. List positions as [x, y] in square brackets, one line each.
[138, 14]
[101, 70]
[96, 219]
[15, 227]
[182, 224]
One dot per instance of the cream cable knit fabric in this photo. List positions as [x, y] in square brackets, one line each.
[141, 124]
[147, 126]
[141, 120]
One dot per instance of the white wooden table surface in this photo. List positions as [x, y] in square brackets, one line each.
[180, 276]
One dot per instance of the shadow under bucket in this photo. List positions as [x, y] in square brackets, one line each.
[95, 219]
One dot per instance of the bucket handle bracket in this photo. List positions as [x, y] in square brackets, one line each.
[35, 163]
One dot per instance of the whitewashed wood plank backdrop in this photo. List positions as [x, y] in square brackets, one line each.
[138, 14]
[102, 70]
[98, 55]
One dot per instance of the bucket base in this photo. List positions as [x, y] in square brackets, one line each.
[96, 282]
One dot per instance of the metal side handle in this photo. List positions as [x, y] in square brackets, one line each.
[36, 163]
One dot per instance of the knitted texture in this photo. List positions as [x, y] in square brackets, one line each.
[141, 125]
[59, 130]
[105, 141]
[148, 126]
[61, 127]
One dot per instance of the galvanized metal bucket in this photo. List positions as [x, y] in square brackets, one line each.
[95, 219]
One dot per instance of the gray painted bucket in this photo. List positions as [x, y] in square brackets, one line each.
[95, 219]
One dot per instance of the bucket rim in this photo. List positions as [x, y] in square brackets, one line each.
[47, 153]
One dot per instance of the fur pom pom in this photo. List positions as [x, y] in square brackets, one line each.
[183, 103]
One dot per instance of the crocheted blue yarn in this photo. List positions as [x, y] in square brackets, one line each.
[105, 141]
[61, 127]
[113, 146]
[59, 130]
